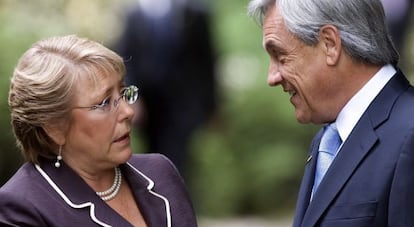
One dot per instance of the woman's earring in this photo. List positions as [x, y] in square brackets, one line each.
[59, 157]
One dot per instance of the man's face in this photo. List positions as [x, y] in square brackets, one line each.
[300, 69]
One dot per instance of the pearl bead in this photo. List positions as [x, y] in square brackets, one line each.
[114, 189]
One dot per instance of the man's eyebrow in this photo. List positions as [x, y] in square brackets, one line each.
[271, 46]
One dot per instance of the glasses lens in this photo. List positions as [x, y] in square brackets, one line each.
[131, 94]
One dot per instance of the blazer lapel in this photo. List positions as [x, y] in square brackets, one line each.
[153, 208]
[354, 149]
[78, 195]
[307, 181]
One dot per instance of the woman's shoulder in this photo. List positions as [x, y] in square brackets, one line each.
[22, 180]
[155, 165]
[153, 162]
[18, 197]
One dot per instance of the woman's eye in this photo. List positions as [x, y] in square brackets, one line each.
[104, 104]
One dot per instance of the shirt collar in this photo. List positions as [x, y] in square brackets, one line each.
[351, 113]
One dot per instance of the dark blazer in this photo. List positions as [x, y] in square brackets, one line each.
[371, 181]
[43, 195]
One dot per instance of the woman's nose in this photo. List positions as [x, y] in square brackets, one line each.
[126, 110]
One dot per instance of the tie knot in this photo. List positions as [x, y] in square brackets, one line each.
[331, 140]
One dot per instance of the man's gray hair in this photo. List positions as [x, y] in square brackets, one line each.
[361, 23]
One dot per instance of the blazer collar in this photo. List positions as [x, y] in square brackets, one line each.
[354, 149]
[78, 195]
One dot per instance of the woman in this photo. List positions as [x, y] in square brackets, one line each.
[71, 117]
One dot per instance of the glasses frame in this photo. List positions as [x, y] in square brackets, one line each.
[129, 94]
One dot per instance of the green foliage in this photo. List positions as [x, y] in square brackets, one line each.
[251, 160]
[11, 48]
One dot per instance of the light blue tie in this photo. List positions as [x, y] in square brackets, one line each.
[328, 148]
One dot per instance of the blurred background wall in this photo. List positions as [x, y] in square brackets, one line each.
[247, 160]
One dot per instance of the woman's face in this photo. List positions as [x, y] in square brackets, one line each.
[98, 137]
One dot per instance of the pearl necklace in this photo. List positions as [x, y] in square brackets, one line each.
[114, 189]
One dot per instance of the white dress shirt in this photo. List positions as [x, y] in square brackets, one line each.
[351, 113]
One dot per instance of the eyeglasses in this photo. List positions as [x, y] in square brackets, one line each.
[128, 94]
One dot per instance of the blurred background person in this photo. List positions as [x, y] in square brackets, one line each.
[167, 48]
[398, 13]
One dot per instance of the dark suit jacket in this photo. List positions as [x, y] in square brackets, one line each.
[48, 196]
[371, 181]
[174, 67]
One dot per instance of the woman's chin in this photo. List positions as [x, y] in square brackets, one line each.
[124, 155]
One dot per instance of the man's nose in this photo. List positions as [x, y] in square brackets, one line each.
[274, 77]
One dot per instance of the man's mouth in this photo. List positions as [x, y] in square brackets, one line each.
[291, 93]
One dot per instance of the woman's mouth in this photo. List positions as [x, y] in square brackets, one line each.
[122, 138]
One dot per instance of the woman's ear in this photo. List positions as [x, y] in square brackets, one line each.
[56, 132]
[330, 38]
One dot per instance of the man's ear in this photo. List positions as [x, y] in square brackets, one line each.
[329, 37]
[56, 132]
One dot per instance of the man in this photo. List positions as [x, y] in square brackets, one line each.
[338, 64]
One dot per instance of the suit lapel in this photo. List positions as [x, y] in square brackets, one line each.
[359, 143]
[307, 181]
[351, 154]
